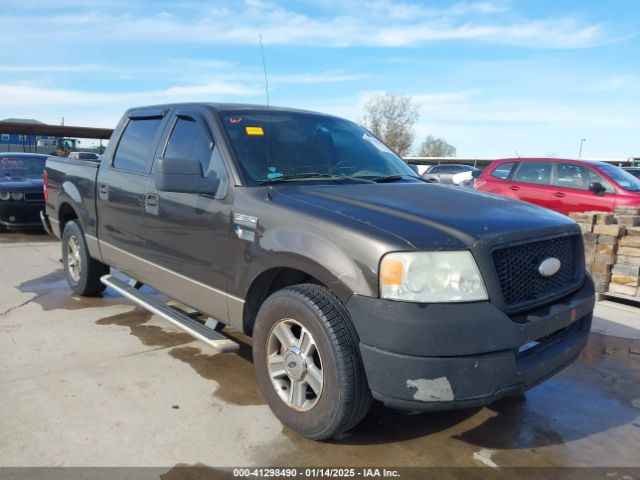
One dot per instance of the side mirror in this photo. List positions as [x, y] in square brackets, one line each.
[597, 188]
[183, 176]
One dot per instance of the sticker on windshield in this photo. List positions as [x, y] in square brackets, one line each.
[376, 143]
[254, 130]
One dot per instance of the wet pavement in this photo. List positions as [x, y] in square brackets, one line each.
[99, 382]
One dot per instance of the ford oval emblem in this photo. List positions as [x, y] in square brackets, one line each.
[549, 267]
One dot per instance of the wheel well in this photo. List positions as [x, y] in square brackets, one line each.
[66, 213]
[267, 283]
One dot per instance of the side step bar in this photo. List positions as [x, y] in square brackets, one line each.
[180, 320]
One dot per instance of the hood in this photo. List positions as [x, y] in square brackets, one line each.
[433, 216]
[20, 184]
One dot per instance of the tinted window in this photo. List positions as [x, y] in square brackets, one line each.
[282, 143]
[572, 175]
[21, 165]
[189, 141]
[434, 169]
[503, 170]
[133, 150]
[87, 156]
[534, 172]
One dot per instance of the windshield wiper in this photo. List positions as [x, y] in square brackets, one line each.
[396, 178]
[303, 176]
[297, 176]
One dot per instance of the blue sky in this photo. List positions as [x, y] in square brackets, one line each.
[493, 77]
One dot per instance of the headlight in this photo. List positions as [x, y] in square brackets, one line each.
[5, 195]
[429, 277]
[17, 195]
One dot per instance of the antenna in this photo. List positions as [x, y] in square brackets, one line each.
[266, 89]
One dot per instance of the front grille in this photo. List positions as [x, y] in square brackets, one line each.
[517, 269]
[34, 197]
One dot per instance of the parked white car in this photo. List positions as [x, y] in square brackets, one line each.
[454, 173]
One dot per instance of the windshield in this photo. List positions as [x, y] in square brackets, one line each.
[21, 166]
[300, 146]
[624, 179]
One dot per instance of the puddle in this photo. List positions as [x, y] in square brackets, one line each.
[233, 372]
[149, 335]
[52, 293]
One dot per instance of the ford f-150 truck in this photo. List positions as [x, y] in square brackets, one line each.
[356, 279]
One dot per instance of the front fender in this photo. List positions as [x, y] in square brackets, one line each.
[344, 272]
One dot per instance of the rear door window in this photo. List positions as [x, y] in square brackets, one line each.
[503, 171]
[135, 144]
[538, 173]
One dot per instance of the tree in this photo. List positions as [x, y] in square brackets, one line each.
[436, 147]
[391, 117]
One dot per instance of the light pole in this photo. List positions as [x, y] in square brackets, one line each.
[580, 150]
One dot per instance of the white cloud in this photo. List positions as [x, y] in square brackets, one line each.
[381, 24]
[28, 95]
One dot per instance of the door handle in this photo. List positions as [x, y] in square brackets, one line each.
[514, 187]
[151, 200]
[559, 195]
[103, 191]
[151, 203]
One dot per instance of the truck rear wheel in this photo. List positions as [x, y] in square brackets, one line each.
[305, 352]
[83, 272]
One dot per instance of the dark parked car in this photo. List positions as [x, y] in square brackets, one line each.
[21, 194]
[355, 278]
[562, 185]
[635, 171]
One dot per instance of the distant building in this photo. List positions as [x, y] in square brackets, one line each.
[27, 143]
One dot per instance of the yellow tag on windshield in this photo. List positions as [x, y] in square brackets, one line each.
[254, 130]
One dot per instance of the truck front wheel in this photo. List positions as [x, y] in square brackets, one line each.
[305, 352]
[83, 272]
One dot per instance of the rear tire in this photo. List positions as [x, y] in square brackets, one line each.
[305, 352]
[82, 272]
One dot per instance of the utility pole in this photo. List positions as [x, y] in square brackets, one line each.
[580, 150]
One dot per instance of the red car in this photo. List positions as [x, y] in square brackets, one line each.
[562, 185]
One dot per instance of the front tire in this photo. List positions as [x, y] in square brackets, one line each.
[305, 351]
[82, 272]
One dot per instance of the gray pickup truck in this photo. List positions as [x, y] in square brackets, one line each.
[356, 279]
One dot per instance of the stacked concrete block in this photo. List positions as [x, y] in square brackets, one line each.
[612, 249]
[607, 239]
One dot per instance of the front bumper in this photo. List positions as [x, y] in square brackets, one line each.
[446, 356]
[20, 214]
